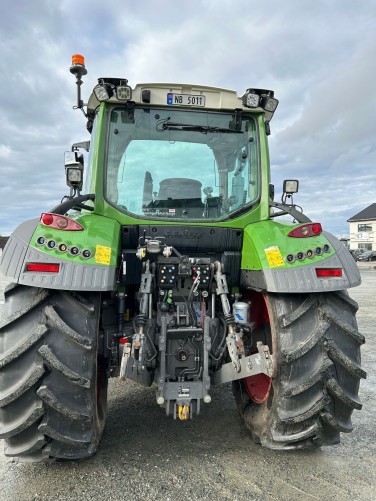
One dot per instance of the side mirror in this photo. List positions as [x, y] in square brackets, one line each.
[74, 170]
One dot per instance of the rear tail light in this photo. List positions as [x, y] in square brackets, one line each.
[59, 222]
[306, 230]
[328, 272]
[43, 267]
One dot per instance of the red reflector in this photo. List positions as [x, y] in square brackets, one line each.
[43, 267]
[328, 272]
[305, 230]
[123, 340]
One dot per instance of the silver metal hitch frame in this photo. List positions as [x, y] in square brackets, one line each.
[259, 363]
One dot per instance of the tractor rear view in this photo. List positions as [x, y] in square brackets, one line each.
[167, 264]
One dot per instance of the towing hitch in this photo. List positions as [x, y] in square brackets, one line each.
[259, 363]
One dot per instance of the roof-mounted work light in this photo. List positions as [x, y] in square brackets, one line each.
[251, 99]
[108, 87]
[269, 103]
[123, 91]
[254, 98]
[103, 91]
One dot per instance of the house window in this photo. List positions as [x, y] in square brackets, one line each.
[364, 227]
[365, 247]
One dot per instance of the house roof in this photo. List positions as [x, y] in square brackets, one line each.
[365, 215]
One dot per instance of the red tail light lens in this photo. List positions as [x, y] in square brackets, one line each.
[43, 267]
[59, 222]
[328, 272]
[306, 230]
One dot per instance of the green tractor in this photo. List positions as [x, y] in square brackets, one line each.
[168, 264]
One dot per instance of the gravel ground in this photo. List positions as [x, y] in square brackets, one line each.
[146, 456]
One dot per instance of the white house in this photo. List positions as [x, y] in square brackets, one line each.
[363, 229]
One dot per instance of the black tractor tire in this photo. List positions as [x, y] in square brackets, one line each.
[316, 351]
[53, 382]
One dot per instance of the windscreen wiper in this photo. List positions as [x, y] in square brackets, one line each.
[195, 128]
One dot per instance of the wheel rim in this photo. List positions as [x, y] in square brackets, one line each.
[258, 386]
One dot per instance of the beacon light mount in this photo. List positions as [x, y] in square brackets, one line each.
[78, 70]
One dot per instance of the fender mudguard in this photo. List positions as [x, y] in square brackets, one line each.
[34, 242]
[272, 261]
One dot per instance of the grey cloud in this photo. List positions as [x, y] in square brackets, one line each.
[309, 53]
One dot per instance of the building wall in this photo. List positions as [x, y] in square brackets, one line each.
[363, 235]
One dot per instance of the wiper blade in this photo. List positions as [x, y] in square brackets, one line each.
[195, 128]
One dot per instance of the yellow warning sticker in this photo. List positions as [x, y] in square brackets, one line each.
[102, 254]
[274, 257]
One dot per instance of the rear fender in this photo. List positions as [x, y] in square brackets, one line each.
[265, 264]
[100, 236]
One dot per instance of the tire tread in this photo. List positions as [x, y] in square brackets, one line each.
[316, 349]
[52, 410]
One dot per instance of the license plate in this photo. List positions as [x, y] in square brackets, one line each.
[185, 99]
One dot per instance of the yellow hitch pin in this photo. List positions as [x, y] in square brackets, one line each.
[183, 412]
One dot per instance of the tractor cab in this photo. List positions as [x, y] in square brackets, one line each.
[180, 165]
[176, 152]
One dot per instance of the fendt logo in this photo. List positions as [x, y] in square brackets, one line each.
[183, 234]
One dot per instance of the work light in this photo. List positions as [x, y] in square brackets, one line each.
[103, 92]
[290, 186]
[123, 92]
[251, 99]
[269, 103]
[74, 174]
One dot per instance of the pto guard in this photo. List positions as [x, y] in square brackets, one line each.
[100, 237]
[265, 266]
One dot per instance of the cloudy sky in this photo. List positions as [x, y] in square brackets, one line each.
[319, 57]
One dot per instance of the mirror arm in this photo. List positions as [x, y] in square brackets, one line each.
[71, 203]
[289, 209]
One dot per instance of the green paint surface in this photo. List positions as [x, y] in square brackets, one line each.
[260, 236]
[100, 235]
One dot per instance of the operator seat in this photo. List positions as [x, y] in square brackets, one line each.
[179, 192]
